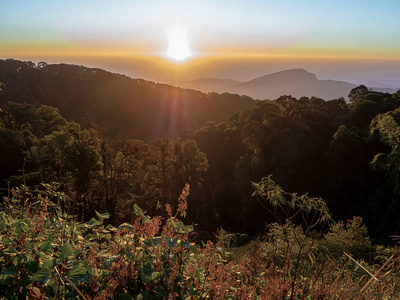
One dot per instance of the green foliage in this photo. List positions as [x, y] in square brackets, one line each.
[310, 146]
[46, 254]
[313, 211]
[387, 128]
[121, 105]
[351, 237]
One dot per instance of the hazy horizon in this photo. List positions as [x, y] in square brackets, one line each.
[357, 41]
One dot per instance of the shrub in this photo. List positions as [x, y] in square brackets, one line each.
[351, 238]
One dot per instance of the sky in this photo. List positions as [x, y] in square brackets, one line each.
[171, 40]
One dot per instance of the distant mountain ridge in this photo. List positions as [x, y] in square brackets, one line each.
[294, 82]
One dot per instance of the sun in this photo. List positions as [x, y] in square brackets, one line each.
[178, 44]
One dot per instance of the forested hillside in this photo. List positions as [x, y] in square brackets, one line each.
[117, 104]
[346, 153]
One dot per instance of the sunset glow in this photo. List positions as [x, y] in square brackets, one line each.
[178, 44]
[272, 35]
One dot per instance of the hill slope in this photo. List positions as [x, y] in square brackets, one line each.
[135, 107]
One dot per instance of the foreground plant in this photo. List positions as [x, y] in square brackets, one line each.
[46, 254]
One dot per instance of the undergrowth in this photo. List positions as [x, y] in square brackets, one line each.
[46, 254]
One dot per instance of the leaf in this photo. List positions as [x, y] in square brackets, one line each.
[126, 226]
[10, 271]
[107, 236]
[15, 261]
[110, 227]
[2, 225]
[150, 242]
[146, 271]
[49, 263]
[66, 251]
[35, 293]
[45, 246]
[93, 222]
[155, 276]
[170, 243]
[10, 250]
[77, 272]
[102, 216]
[41, 275]
[32, 266]
[137, 210]
[21, 227]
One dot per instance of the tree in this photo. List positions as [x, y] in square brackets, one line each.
[387, 128]
[357, 94]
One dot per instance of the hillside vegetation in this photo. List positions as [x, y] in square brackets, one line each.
[46, 254]
[310, 186]
[345, 153]
[118, 104]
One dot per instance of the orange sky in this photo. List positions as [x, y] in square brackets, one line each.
[356, 41]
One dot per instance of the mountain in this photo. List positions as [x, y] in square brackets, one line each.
[116, 103]
[295, 82]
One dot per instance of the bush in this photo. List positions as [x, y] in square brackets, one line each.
[351, 238]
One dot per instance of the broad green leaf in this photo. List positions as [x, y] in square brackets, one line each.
[49, 263]
[66, 251]
[93, 222]
[145, 272]
[41, 275]
[78, 272]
